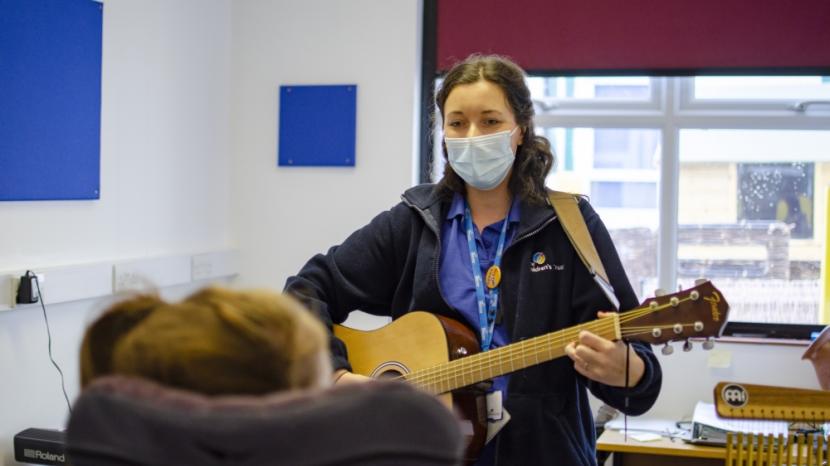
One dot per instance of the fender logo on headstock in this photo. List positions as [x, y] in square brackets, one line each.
[713, 303]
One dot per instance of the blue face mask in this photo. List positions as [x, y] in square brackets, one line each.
[482, 161]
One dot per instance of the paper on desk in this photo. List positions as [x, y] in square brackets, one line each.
[654, 426]
[646, 437]
[705, 413]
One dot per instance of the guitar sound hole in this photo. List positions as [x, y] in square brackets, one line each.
[390, 370]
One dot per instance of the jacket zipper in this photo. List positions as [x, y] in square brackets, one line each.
[516, 321]
[434, 229]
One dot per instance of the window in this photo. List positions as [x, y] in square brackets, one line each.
[761, 88]
[625, 148]
[748, 218]
[777, 192]
[718, 177]
[620, 194]
[603, 88]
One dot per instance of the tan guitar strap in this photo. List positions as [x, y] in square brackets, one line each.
[566, 206]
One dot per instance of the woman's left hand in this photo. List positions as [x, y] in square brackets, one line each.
[604, 360]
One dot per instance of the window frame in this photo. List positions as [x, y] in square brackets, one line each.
[785, 107]
[609, 105]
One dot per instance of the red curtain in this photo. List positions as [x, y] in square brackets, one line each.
[638, 35]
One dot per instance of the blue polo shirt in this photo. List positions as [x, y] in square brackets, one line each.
[455, 273]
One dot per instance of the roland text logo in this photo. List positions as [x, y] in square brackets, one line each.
[43, 455]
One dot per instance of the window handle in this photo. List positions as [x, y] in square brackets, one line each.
[804, 104]
[546, 105]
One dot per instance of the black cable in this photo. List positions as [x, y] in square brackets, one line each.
[625, 412]
[49, 336]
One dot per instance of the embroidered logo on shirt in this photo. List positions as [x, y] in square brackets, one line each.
[539, 263]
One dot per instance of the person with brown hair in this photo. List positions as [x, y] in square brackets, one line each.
[483, 246]
[238, 378]
[216, 342]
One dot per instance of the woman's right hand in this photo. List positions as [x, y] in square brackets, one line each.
[344, 377]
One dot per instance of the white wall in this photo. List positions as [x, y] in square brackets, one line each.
[284, 215]
[165, 145]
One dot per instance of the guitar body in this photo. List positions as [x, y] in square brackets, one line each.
[416, 341]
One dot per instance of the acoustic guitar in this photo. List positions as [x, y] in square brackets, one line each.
[441, 355]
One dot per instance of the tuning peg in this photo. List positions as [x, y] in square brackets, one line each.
[667, 350]
[687, 345]
[660, 292]
[709, 344]
[700, 281]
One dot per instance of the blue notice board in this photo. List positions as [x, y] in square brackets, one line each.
[50, 99]
[317, 126]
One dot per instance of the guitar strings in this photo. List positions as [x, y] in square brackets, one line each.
[480, 361]
[445, 373]
[506, 351]
[448, 379]
[536, 345]
[541, 347]
[531, 348]
[486, 362]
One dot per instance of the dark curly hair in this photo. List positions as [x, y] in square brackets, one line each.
[534, 157]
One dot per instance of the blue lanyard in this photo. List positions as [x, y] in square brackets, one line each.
[488, 302]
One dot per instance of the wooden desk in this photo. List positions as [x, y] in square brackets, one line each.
[659, 452]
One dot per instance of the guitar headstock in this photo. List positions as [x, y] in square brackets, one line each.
[698, 312]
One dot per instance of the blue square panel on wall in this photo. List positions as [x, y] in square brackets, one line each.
[50, 99]
[317, 126]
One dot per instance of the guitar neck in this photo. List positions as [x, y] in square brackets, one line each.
[736, 400]
[510, 358]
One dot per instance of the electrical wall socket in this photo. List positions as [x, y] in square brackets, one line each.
[151, 274]
[213, 265]
[72, 283]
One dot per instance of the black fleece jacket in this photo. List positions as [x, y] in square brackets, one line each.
[390, 267]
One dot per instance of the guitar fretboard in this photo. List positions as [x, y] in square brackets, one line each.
[500, 361]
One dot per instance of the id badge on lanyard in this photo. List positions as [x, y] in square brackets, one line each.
[487, 298]
[487, 288]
